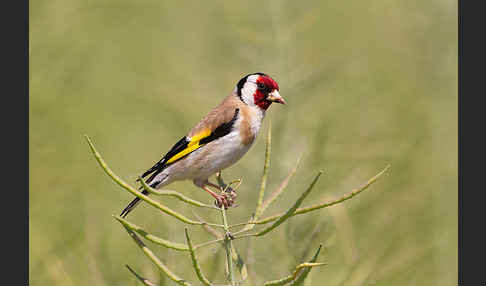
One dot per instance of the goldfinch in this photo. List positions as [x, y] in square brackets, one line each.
[218, 141]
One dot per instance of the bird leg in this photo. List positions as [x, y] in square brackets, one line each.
[214, 186]
[229, 191]
[226, 199]
[221, 188]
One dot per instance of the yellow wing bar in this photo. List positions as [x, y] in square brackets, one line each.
[191, 146]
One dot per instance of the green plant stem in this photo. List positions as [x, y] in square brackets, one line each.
[174, 194]
[236, 258]
[292, 210]
[160, 241]
[156, 260]
[228, 246]
[307, 209]
[209, 242]
[266, 167]
[195, 264]
[274, 196]
[260, 206]
[294, 275]
[143, 280]
[212, 231]
[138, 194]
[151, 237]
[300, 279]
[232, 257]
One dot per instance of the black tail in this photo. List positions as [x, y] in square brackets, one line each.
[132, 205]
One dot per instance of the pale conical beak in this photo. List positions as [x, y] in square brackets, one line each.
[274, 96]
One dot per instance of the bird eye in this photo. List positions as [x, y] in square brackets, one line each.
[261, 86]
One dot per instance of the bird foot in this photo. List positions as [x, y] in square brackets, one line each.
[226, 199]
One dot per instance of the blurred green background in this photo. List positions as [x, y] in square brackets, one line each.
[367, 83]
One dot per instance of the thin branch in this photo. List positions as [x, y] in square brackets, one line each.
[162, 267]
[260, 207]
[143, 280]
[274, 196]
[160, 241]
[151, 237]
[221, 240]
[176, 195]
[214, 232]
[232, 257]
[138, 194]
[237, 260]
[306, 271]
[266, 167]
[219, 179]
[333, 202]
[195, 264]
[289, 212]
[227, 246]
[294, 277]
[224, 186]
[240, 264]
[307, 209]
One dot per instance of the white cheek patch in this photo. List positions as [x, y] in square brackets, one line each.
[249, 89]
[247, 94]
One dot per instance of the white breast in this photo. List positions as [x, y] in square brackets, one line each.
[256, 119]
[225, 151]
[216, 155]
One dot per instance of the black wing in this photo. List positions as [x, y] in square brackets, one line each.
[186, 145]
[160, 165]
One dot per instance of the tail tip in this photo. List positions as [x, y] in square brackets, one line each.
[124, 213]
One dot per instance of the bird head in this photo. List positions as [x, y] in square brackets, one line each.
[258, 89]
